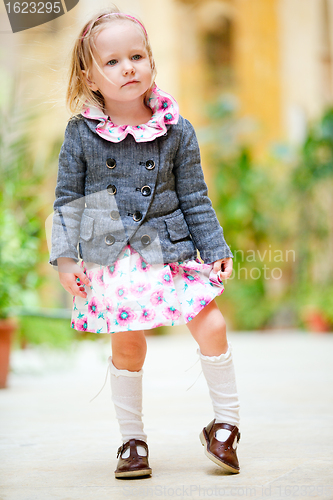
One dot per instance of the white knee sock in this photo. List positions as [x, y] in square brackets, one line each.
[220, 376]
[126, 388]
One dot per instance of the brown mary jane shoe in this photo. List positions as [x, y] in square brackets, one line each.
[222, 453]
[135, 465]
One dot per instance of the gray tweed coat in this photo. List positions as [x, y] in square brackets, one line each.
[151, 195]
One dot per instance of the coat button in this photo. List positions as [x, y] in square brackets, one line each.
[114, 215]
[111, 163]
[146, 191]
[150, 164]
[111, 189]
[145, 239]
[137, 216]
[109, 239]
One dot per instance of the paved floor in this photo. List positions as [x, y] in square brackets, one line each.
[55, 444]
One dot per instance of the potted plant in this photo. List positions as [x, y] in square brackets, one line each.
[18, 257]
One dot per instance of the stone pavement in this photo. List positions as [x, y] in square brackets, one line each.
[55, 444]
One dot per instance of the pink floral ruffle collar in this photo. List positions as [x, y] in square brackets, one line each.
[165, 112]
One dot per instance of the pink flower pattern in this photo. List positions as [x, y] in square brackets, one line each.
[108, 305]
[156, 297]
[140, 288]
[166, 277]
[147, 315]
[142, 265]
[81, 325]
[189, 317]
[112, 270]
[94, 306]
[125, 315]
[191, 279]
[200, 302]
[174, 268]
[134, 296]
[121, 292]
[99, 277]
[171, 313]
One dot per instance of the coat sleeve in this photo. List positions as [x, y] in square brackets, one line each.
[205, 229]
[69, 203]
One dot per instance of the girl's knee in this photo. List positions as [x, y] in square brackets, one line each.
[129, 350]
[218, 329]
[209, 330]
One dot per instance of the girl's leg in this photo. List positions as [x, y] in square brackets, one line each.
[209, 330]
[128, 355]
[220, 437]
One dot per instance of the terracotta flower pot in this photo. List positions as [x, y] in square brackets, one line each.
[7, 328]
[315, 321]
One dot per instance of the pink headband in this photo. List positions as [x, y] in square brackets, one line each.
[115, 14]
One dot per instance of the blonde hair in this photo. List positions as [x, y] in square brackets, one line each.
[78, 91]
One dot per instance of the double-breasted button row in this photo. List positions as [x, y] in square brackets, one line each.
[149, 164]
[145, 190]
[110, 240]
[137, 216]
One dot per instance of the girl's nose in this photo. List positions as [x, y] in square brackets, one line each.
[128, 68]
[127, 71]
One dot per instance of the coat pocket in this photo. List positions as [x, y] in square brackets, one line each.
[86, 228]
[177, 227]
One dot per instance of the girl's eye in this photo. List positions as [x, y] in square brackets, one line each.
[112, 62]
[136, 57]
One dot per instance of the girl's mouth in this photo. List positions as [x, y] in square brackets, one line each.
[129, 83]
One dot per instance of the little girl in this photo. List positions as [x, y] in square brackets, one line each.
[131, 211]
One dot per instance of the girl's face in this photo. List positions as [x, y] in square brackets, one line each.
[125, 72]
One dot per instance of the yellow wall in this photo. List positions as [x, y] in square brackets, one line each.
[257, 66]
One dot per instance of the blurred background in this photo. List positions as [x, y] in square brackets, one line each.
[255, 77]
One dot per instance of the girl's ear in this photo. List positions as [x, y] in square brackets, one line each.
[90, 84]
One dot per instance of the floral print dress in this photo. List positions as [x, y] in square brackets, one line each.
[132, 294]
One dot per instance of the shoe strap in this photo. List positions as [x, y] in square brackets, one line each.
[212, 427]
[132, 444]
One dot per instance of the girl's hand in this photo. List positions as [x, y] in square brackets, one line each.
[225, 266]
[72, 277]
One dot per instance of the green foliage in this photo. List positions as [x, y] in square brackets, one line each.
[247, 301]
[312, 182]
[242, 190]
[54, 332]
[18, 258]
[316, 162]
[280, 207]
[20, 226]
